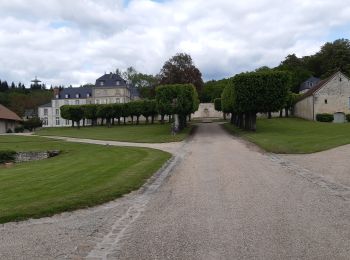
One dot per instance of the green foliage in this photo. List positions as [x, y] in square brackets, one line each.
[260, 91]
[32, 123]
[180, 70]
[324, 117]
[90, 111]
[136, 108]
[72, 112]
[19, 129]
[227, 99]
[348, 117]
[217, 104]
[149, 109]
[7, 156]
[213, 89]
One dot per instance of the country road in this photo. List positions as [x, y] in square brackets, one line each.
[220, 199]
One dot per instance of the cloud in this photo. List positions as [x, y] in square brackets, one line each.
[73, 42]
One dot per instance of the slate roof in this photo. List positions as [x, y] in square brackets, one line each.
[7, 114]
[46, 105]
[111, 80]
[305, 85]
[72, 92]
[320, 84]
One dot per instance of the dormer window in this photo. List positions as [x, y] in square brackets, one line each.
[77, 95]
[66, 96]
[102, 83]
[57, 96]
[118, 82]
[88, 95]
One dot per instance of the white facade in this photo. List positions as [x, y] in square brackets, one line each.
[331, 96]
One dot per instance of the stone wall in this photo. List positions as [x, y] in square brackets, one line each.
[207, 110]
[34, 156]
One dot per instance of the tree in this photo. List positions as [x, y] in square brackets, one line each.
[212, 90]
[136, 110]
[74, 113]
[227, 105]
[117, 112]
[149, 109]
[90, 112]
[105, 112]
[217, 104]
[32, 123]
[181, 70]
[125, 111]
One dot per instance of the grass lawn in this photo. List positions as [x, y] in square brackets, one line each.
[83, 175]
[293, 135]
[156, 133]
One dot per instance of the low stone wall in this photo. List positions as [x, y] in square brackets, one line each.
[34, 156]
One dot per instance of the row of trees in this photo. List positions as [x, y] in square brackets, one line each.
[181, 99]
[250, 93]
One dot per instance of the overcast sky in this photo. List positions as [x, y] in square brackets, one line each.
[75, 41]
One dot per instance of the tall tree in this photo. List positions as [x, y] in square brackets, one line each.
[180, 69]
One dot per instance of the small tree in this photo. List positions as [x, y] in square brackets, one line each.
[74, 113]
[125, 111]
[117, 111]
[32, 123]
[90, 112]
[106, 111]
[149, 109]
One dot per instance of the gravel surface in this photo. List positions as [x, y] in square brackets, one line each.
[218, 198]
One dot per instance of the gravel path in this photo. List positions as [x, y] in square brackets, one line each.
[218, 198]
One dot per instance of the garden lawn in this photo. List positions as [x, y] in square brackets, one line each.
[151, 133]
[83, 175]
[293, 135]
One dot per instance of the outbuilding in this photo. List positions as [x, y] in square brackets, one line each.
[8, 120]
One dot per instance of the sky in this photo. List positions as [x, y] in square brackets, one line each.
[65, 42]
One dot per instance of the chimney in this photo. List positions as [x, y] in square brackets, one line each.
[56, 92]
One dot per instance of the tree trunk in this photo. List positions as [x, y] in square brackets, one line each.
[281, 113]
[269, 116]
[132, 120]
[83, 122]
[152, 119]
[147, 121]
[169, 118]
[287, 112]
[247, 121]
[137, 119]
[232, 120]
[118, 120]
[78, 124]
[252, 121]
[240, 120]
[124, 120]
[225, 116]
[72, 123]
[162, 119]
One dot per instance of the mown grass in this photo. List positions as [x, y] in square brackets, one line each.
[83, 175]
[294, 135]
[150, 133]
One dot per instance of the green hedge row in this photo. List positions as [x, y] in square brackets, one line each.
[7, 156]
[324, 117]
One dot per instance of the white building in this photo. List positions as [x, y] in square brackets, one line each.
[108, 89]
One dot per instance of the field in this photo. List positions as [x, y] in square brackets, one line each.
[151, 133]
[83, 175]
[293, 135]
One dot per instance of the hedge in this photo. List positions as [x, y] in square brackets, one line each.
[7, 156]
[324, 117]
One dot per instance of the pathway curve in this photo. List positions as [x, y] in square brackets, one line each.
[218, 198]
[171, 147]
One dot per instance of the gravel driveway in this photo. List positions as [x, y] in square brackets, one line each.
[218, 199]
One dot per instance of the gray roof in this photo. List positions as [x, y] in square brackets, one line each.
[111, 80]
[309, 83]
[46, 105]
[73, 92]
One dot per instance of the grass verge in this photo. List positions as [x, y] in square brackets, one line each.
[294, 135]
[152, 133]
[83, 175]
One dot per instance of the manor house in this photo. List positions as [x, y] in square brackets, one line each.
[109, 88]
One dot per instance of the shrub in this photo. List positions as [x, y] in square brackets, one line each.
[348, 117]
[19, 129]
[7, 156]
[217, 104]
[9, 131]
[324, 117]
[32, 123]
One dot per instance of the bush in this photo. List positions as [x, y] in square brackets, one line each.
[7, 156]
[217, 104]
[348, 117]
[9, 131]
[324, 117]
[19, 129]
[32, 123]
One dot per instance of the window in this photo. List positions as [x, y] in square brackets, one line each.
[88, 95]
[57, 96]
[67, 122]
[97, 101]
[102, 83]
[57, 121]
[326, 101]
[45, 112]
[57, 112]
[118, 82]
[77, 102]
[66, 96]
[77, 95]
[45, 121]
[117, 100]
